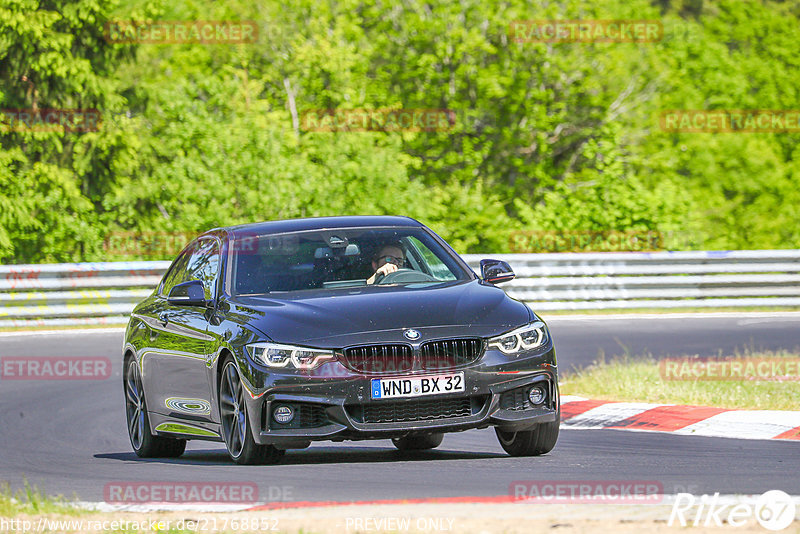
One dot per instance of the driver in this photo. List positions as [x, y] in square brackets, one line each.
[387, 260]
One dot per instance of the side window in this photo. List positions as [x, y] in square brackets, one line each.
[437, 267]
[198, 262]
[204, 265]
[177, 273]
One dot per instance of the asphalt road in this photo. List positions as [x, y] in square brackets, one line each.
[69, 437]
[580, 341]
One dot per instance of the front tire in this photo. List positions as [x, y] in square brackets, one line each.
[536, 442]
[418, 442]
[239, 441]
[144, 443]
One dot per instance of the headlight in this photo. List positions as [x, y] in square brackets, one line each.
[523, 338]
[276, 355]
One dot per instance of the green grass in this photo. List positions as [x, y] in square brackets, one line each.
[31, 500]
[639, 379]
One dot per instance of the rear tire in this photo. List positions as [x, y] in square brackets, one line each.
[144, 443]
[536, 442]
[235, 422]
[418, 442]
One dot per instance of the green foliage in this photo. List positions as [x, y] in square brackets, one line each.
[32, 500]
[546, 136]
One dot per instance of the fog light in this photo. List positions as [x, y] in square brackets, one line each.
[283, 414]
[537, 395]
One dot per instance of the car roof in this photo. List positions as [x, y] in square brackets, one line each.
[318, 223]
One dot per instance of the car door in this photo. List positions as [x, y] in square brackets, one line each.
[175, 367]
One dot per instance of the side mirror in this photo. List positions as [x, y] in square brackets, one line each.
[189, 293]
[496, 271]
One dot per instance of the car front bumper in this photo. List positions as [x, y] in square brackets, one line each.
[334, 403]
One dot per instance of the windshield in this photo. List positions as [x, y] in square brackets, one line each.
[339, 258]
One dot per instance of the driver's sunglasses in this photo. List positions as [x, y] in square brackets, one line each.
[391, 259]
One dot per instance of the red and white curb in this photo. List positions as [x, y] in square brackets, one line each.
[582, 413]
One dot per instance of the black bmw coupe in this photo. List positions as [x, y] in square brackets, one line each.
[272, 335]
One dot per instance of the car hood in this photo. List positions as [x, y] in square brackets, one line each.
[342, 317]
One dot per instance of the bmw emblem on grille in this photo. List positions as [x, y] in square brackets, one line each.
[412, 334]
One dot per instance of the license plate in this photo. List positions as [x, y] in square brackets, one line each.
[416, 386]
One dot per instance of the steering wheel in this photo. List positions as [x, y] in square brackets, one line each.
[403, 276]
